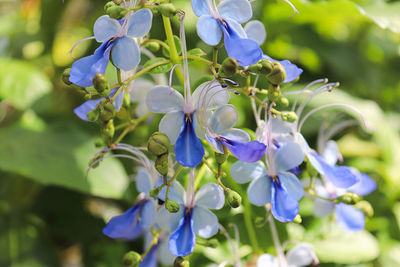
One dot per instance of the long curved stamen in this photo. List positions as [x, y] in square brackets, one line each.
[190, 189]
[171, 73]
[292, 6]
[78, 43]
[185, 60]
[306, 89]
[324, 137]
[107, 157]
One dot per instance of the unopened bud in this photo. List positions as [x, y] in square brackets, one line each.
[108, 112]
[234, 199]
[266, 67]
[298, 219]
[109, 130]
[289, 116]
[99, 142]
[349, 198]
[131, 259]
[212, 243]
[167, 10]
[277, 75]
[65, 76]
[365, 207]
[116, 12]
[158, 144]
[108, 5]
[228, 67]
[181, 262]
[255, 68]
[221, 158]
[283, 101]
[155, 191]
[172, 206]
[152, 46]
[162, 165]
[100, 82]
[259, 222]
[93, 115]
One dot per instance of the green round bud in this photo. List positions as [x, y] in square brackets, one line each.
[167, 10]
[155, 191]
[277, 75]
[228, 67]
[283, 101]
[158, 144]
[365, 207]
[100, 82]
[266, 67]
[131, 259]
[99, 142]
[221, 158]
[116, 12]
[298, 219]
[349, 198]
[234, 199]
[289, 116]
[65, 76]
[152, 46]
[108, 5]
[93, 115]
[162, 165]
[109, 129]
[172, 206]
[259, 222]
[212, 243]
[108, 112]
[181, 262]
[255, 68]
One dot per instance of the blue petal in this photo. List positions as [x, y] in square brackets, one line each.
[140, 23]
[151, 258]
[209, 30]
[238, 10]
[243, 172]
[189, 150]
[292, 184]
[365, 186]
[215, 144]
[248, 152]
[83, 70]
[200, 7]
[183, 240]
[126, 225]
[148, 214]
[125, 54]
[283, 206]
[143, 181]
[259, 191]
[255, 31]
[105, 28]
[349, 218]
[288, 156]
[83, 109]
[119, 100]
[245, 51]
[292, 71]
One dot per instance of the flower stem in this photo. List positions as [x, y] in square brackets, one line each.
[215, 57]
[132, 126]
[278, 247]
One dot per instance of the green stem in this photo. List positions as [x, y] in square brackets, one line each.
[119, 76]
[215, 57]
[132, 126]
[172, 179]
[277, 244]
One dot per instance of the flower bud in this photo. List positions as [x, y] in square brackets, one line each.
[158, 144]
[155, 191]
[289, 116]
[152, 46]
[283, 101]
[277, 75]
[116, 12]
[349, 198]
[100, 82]
[108, 112]
[172, 206]
[266, 67]
[255, 68]
[99, 142]
[212, 243]
[228, 67]
[259, 222]
[109, 130]
[365, 207]
[93, 115]
[108, 5]
[221, 158]
[234, 199]
[131, 259]
[162, 165]
[181, 262]
[167, 10]
[298, 219]
[65, 76]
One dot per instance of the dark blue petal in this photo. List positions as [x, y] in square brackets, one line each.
[295, 170]
[292, 71]
[365, 186]
[245, 51]
[151, 258]
[83, 109]
[183, 240]
[349, 218]
[119, 99]
[189, 150]
[283, 207]
[245, 151]
[83, 70]
[124, 226]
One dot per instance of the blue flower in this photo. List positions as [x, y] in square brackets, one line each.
[192, 218]
[117, 39]
[274, 184]
[159, 252]
[220, 133]
[255, 31]
[181, 123]
[225, 20]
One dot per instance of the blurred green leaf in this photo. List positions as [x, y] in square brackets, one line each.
[159, 69]
[385, 15]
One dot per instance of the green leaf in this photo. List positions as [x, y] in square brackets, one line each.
[196, 52]
[177, 42]
[21, 83]
[59, 155]
[159, 69]
[385, 15]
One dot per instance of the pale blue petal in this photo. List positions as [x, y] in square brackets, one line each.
[223, 119]
[176, 192]
[349, 218]
[168, 221]
[171, 124]
[283, 206]
[255, 31]
[164, 255]
[143, 181]
[238, 10]
[267, 260]
[288, 156]
[237, 28]
[245, 151]
[189, 150]
[322, 207]
[278, 126]
[148, 214]
[105, 28]
[119, 99]
[215, 144]
[237, 135]
[138, 91]
[160, 101]
[82, 110]
[244, 172]
[301, 255]
[292, 71]
[199, 124]
[140, 23]
[365, 186]
[210, 196]
[292, 184]
[259, 191]
[125, 53]
[209, 30]
[331, 153]
[183, 240]
[200, 7]
[124, 226]
[205, 223]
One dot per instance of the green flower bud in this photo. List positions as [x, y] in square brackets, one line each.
[100, 82]
[167, 10]
[108, 5]
[289, 116]
[127, 100]
[277, 75]
[131, 259]
[228, 67]
[298, 219]
[234, 199]
[349, 198]
[65, 76]
[116, 12]
[162, 165]
[172, 206]
[155, 191]
[99, 142]
[266, 67]
[152, 46]
[255, 68]
[365, 207]
[158, 144]
[212, 243]
[259, 222]
[109, 130]
[221, 158]
[108, 112]
[283, 101]
[181, 262]
[93, 115]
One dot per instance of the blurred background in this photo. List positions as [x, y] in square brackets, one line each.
[52, 215]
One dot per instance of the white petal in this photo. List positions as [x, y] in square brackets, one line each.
[209, 30]
[205, 223]
[125, 53]
[148, 214]
[200, 124]
[140, 23]
[243, 172]
[301, 255]
[105, 28]
[210, 95]
[238, 10]
[292, 184]
[210, 196]
[255, 31]
[169, 221]
[160, 101]
[171, 124]
[288, 156]
[267, 260]
[200, 7]
[143, 181]
[163, 253]
[237, 135]
[259, 191]
[223, 119]
[139, 89]
[278, 126]
[331, 153]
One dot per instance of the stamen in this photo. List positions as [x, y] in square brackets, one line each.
[231, 81]
[305, 89]
[171, 73]
[190, 189]
[323, 138]
[78, 43]
[184, 56]
[293, 7]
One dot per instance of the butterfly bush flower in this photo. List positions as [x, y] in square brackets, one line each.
[219, 133]
[117, 44]
[225, 19]
[192, 218]
[255, 31]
